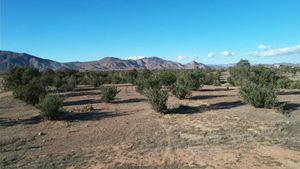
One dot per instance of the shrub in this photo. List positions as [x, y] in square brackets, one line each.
[70, 84]
[239, 73]
[109, 93]
[180, 91]
[130, 76]
[212, 78]
[13, 78]
[294, 85]
[283, 83]
[167, 77]
[158, 99]
[259, 96]
[95, 79]
[29, 73]
[191, 79]
[30, 93]
[150, 82]
[263, 76]
[260, 87]
[50, 106]
[47, 77]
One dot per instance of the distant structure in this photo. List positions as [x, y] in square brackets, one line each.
[277, 66]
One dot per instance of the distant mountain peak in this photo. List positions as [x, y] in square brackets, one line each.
[12, 59]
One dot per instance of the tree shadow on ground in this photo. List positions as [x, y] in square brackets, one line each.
[78, 116]
[81, 102]
[132, 100]
[207, 97]
[11, 122]
[289, 93]
[91, 116]
[289, 107]
[86, 89]
[86, 93]
[182, 109]
[215, 89]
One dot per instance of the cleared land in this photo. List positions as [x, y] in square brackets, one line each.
[212, 129]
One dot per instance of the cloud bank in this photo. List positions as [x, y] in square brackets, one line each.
[264, 47]
[226, 53]
[181, 57]
[135, 57]
[210, 55]
[275, 52]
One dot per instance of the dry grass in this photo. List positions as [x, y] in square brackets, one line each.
[211, 129]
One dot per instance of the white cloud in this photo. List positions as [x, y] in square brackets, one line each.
[135, 57]
[227, 53]
[210, 55]
[181, 57]
[264, 47]
[275, 52]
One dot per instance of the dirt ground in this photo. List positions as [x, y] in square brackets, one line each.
[213, 129]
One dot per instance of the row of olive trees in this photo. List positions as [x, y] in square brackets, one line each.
[32, 86]
[155, 85]
[258, 84]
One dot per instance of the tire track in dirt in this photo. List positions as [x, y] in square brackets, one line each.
[168, 157]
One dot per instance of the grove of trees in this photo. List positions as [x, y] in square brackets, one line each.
[258, 84]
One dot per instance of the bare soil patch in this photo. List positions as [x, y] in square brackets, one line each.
[211, 129]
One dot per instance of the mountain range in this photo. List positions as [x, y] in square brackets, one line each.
[10, 59]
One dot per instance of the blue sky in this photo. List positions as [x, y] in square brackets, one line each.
[178, 30]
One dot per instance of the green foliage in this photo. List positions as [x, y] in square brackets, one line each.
[109, 93]
[25, 83]
[212, 78]
[193, 80]
[239, 73]
[31, 93]
[284, 83]
[47, 77]
[96, 79]
[294, 85]
[157, 98]
[70, 83]
[167, 77]
[50, 106]
[29, 73]
[263, 76]
[260, 96]
[13, 78]
[180, 91]
[131, 75]
[146, 79]
[258, 86]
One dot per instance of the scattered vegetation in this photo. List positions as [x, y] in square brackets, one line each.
[180, 91]
[259, 96]
[158, 99]
[258, 84]
[51, 106]
[109, 93]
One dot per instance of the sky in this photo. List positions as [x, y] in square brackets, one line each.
[207, 31]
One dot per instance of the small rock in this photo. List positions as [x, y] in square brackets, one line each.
[41, 133]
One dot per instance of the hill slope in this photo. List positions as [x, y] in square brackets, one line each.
[12, 59]
[9, 60]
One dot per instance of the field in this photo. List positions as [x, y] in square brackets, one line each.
[211, 129]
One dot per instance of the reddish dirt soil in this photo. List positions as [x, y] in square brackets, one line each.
[213, 129]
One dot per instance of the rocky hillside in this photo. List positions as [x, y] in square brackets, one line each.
[12, 59]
